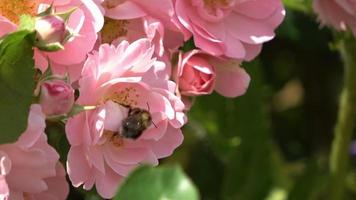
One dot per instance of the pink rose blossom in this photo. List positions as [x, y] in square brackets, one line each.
[28, 166]
[85, 22]
[340, 14]
[196, 75]
[56, 97]
[134, 19]
[115, 79]
[233, 28]
[199, 73]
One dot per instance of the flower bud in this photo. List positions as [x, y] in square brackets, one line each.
[56, 98]
[51, 29]
[196, 74]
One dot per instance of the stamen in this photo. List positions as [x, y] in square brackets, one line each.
[111, 3]
[214, 3]
[13, 9]
[114, 138]
[113, 29]
[125, 97]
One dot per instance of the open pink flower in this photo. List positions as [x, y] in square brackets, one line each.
[233, 28]
[85, 22]
[134, 19]
[115, 80]
[28, 166]
[340, 14]
[199, 73]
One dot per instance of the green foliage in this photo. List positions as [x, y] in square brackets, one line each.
[299, 5]
[188, 45]
[16, 83]
[161, 183]
[310, 184]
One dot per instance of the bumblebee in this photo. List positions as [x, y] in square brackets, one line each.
[136, 122]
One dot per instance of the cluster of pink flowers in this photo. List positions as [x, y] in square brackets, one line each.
[135, 83]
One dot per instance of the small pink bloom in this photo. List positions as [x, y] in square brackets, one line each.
[340, 14]
[56, 97]
[116, 79]
[236, 29]
[199, 73]
[134, 19]
[51, 29]
[196, 75]
[28, 166]
[85, 22]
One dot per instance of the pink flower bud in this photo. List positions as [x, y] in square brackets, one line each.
[51, 29]
[199, 73]
[196, 74]
[56, 98]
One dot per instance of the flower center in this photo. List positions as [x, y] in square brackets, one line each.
[113, 29]
[125, 97]
[13, 9]
[114, 137]
[216, 3]
[111, 3]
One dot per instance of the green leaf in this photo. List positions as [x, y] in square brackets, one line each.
[161, 183]
[188, 45]
[16, 83]
[299, 5]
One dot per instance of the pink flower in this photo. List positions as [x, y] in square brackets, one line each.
[233, 28]
[196, 75]
[134, 19]
[56, 97]
[340, 14]
[86, 21]
[117, 80]
[28, 166]
[199, 73]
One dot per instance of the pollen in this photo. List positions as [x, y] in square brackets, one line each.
[114, 138]
[113, 29]
[12, 9]
[214, 3]
[110, 3]
[126, 97]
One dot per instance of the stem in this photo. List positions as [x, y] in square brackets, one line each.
[339, 158]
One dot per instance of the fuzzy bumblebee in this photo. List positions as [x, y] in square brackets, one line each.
[136, 122]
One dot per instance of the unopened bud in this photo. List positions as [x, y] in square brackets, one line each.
[56, 98]
[51, 29]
